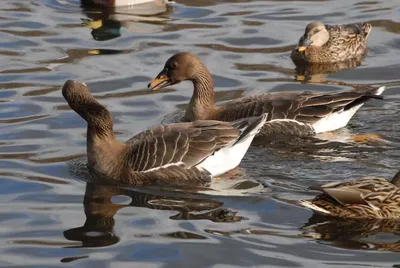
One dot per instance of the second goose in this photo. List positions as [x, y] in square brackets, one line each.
[289, 113]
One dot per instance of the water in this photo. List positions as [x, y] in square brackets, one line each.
[50, 216]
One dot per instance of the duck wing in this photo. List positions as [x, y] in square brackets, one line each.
[367, 191]
[373, 198]
[352, 29]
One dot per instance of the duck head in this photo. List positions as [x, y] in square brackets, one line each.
[315, 34]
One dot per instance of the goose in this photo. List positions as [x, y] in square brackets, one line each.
[322, 43]
[289, 113]
[181, 153]
[366, 198]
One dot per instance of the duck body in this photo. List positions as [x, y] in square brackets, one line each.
[289, 113]
[368, 198]
[182, 153]
[322, 43]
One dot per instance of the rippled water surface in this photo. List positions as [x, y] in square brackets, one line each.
[51, 216]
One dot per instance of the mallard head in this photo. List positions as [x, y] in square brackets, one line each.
[315, 34]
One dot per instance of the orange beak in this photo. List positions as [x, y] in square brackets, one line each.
[301, 48]
[304, 44]
[159, 82]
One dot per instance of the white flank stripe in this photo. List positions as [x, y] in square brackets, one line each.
[335, 120]
[226, 158]
[164, 166]
[338, 120]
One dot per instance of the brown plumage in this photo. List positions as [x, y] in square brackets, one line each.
[322, 43]
[174, 153]
[289, 113]
[367, 198]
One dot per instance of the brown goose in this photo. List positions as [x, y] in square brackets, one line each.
[367, 198]
[322, 43]
[289, 113]
[182, 153]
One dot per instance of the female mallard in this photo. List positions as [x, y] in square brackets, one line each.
[368, 198]
[184, 153]
[289, 113]
[323, 43]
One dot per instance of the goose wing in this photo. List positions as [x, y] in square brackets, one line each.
[304, 107]
[186, 144]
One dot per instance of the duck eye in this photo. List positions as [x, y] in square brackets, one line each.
[173, 64]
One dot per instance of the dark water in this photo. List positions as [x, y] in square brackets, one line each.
[50, 217]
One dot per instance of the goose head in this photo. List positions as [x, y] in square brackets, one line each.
[180, 67]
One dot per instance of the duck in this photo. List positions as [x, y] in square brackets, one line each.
[289, 113]
[323, 43]
[181, 153]
[365, 198]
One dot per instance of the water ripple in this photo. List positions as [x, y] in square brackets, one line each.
[53, 211]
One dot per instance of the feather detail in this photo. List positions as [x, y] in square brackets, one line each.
[368, 198]
[341, 43]
[175, 153]
[314, 112]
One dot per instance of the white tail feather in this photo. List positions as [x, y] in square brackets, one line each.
[231, 155]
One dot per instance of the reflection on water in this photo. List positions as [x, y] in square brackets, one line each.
[106, 22]
[51, 215]
[319, 72]
[100, 209]
[352, 234]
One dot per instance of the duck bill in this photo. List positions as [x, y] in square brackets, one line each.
[303, 45]
[159, 82]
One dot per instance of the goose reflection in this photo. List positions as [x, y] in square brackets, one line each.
[382, 235]
[98, 229]
[106, 22]
[318, 72]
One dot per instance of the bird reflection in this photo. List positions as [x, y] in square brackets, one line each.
[98, 229]
[106, 22]
[318, 72]
[354, 234]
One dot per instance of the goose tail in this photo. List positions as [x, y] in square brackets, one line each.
[378, 91]
[249, 127]
[371, 93]
[230, 156]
